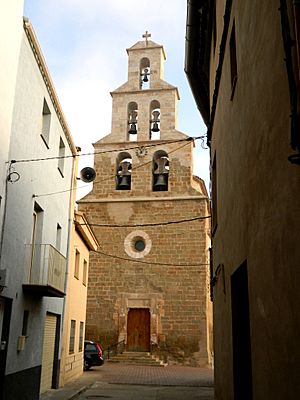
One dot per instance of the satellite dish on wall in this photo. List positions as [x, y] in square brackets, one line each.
[87, 174]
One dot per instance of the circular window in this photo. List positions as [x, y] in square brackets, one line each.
[137, 244]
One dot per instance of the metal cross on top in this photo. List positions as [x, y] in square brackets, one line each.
[146, 35]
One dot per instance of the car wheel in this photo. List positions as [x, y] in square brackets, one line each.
[86, 365]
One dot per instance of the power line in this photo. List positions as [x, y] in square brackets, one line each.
[149, 263]
[109, 177]
[105, 151]
[149, 224]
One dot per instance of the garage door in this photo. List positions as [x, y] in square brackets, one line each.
[48, 352]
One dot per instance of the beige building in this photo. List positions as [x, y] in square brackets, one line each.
[242, 62]
[148, 285]
[83, 241]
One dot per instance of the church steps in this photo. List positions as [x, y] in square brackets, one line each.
[137, 358]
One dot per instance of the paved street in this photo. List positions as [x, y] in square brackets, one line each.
[138, 392]
[131, 382]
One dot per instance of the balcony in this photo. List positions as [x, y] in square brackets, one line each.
[45, 271]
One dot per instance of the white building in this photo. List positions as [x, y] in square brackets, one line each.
[38, 215]
[11, 28]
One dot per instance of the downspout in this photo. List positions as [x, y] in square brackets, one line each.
[4, 215]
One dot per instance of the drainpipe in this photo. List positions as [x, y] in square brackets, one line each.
[2, 284]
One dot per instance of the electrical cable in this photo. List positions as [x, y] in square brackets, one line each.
[105, 179]
[149, 263]
[150, 224]
[189, 139]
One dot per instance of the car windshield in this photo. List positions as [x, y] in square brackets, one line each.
[90, 347]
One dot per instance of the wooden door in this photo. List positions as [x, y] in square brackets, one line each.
[138, 329]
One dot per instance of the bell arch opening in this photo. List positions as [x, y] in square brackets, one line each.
[160, 171]
[154, 128]
[145, 73]
[123, 171]
[132, 121]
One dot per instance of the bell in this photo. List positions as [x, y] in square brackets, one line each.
[161, 183]
[155, 127]
[124, 183]
[132, 130]
[145, 77]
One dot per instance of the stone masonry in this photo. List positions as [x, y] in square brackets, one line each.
[169, 275]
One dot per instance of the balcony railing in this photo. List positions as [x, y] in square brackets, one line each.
[45, 270]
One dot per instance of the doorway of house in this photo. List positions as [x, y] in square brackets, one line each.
[138, 329]
[241, 339]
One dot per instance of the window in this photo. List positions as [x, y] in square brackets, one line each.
[139, 244]
[80, 347]
[46, 119]
[241, 335]
[58, 237]
[132, 121]
[61, 160]
[233, 62]
[297, 27]
[77, 264]
[145, 74]
[123, 173]
[154, 129]
[214, 28]
[36, 239]
[72, 336]
[214, 194]
[160, 172]
[25, 323]
[85, 268]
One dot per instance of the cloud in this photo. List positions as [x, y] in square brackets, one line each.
[84, 43]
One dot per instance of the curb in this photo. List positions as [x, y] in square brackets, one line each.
[79, 391]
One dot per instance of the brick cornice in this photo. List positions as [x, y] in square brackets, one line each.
[141, 199]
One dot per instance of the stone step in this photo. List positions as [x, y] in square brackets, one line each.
[136, 358]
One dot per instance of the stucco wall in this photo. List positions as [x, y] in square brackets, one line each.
[36, 178]
[258, 204]
[72, 364]
[10, 42]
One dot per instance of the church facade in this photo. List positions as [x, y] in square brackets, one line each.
[148, 284]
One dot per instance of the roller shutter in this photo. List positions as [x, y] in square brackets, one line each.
[48, 352]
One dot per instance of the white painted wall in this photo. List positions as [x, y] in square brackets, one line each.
[37, 178]
[10, 40]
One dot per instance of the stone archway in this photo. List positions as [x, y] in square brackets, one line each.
[152, 302]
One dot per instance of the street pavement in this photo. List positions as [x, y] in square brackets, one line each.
[134, 382]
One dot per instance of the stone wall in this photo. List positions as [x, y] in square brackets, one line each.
[176, 293]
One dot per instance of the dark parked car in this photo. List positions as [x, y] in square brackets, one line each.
[92, 354]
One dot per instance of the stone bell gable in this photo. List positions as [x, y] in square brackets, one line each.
[148, 283]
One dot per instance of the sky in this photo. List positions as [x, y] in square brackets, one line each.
[84, 43]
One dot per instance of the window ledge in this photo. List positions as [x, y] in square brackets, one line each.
[60, 171]
[233, 86]
[45, 141]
